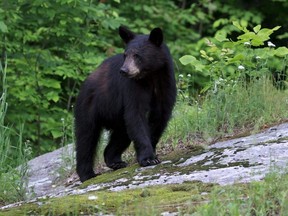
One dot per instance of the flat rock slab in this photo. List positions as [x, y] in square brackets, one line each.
[233, 161]
[44, 171]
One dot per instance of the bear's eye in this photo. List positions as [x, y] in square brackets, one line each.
[136, 56]
[124, 55]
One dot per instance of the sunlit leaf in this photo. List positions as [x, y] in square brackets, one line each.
[221, 36]
[257, 28]
[3, 27]
[187, 59]
[281, 51]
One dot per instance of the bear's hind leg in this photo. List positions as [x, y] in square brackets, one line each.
[118, 143]
[86, 143]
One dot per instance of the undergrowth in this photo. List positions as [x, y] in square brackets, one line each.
[268, 197]
[13, 181]
[247, 88]
[231, 110]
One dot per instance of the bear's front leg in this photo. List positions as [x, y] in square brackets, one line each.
[138, 131]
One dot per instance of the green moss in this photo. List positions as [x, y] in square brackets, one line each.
[151, 200]
[257, 198]
[111, 176]
[132, 170]
[178, 154]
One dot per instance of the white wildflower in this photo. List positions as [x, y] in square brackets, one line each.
[258, 57]
[247, 43]
[181, 75]
[188, 75]
[270, 44]
[241, 67]
[92, 197]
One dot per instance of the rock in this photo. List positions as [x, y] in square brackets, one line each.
[233, 161]
[43, 171]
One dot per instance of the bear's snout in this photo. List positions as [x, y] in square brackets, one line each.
[129, 68]
[124, 71]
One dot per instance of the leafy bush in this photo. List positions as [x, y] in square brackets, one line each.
[237, 61]
[51, 46]
[239, 93]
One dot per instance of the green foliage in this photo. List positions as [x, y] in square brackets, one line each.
[12, 181]
[226, 110]
[51, 46]
[244, 59]
[240, 89]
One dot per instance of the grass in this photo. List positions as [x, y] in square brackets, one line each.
[230, 111]
[13, 182]
[268, 197]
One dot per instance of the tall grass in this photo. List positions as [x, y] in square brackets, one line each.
[4, 131]
[233, 109]
[268, 197]
[13, 179]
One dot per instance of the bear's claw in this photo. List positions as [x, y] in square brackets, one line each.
[150, 162]
[117, 165]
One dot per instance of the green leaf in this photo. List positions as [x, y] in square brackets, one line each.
[187, 59]
[247, 36]
[221, 21]
[265, 33]
[257, 28]
[237, 25]
[3, 27]
[241, 26]
[257, 41]
[203, 52]
[53, 96]
[276, 28]
[244, 23]
[50, 83]
[281, 51]
[206, 88]
[236, 59]
[221, 36]
[56, 133]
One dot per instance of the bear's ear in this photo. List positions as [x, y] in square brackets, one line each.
[126, 34]
[156, 36]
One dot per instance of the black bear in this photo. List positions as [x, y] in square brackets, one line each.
[131, 95]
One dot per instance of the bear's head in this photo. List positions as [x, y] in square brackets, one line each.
[144, 54]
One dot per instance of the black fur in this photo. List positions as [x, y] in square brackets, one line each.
[134, 108]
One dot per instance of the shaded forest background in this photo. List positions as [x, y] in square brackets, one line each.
[51, 46]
